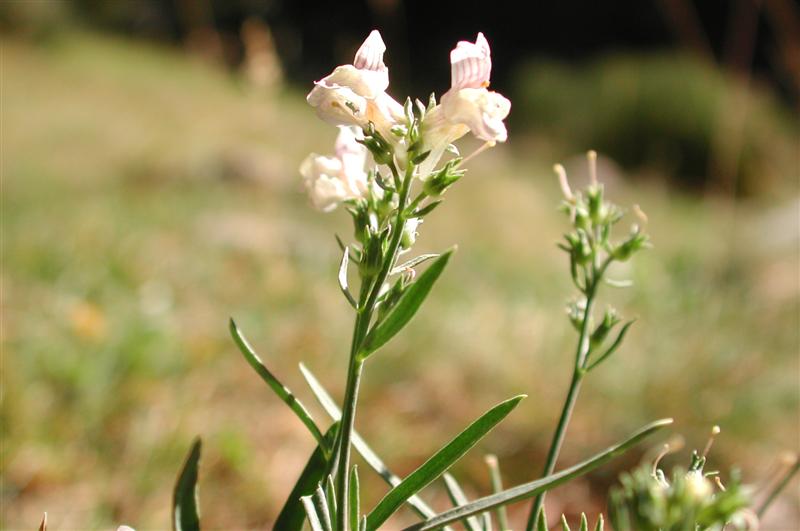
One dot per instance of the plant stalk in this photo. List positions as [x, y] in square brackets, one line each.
[581, 355]
[361, 328]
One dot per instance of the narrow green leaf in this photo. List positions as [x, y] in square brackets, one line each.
[599, 525]
[528, 490]
[427, 209]
[185, 507]
[414, 262]
[584, 523]
[436, 465]
[343, 277]
[292, 516]
[361, 446]
[541, 521]
[281, 390]
[355, 498]
[311, 513]
[323, 510]
[497, 486]
[614, 346]
[405, 308]
[564, 523]
[362, 525]
[457, 496]
[330, 497]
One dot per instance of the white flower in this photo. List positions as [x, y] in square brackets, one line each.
[331, 180]
[468, 105]
[356, 94]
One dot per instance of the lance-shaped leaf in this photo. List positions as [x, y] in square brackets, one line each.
[528, 490]
[405, 308]
[439, 462]
[281, 390]
[185, 506]
[599, 525]
[361, 446]
[354, 498]
[292, 515]
[343, 277]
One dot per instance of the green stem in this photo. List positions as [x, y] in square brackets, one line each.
[581, 354]
[363, 319]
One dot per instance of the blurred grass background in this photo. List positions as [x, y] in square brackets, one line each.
[148, 195]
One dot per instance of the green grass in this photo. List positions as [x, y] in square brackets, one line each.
[147, 197]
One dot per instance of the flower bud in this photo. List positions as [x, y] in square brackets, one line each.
[635, 242]
[610, 320]
[372, 258]
[439, 182]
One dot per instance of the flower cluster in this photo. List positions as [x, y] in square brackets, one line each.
[354, 98]
[646, 499]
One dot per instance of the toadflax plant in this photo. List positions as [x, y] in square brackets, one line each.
[391, 165]
[389, 171]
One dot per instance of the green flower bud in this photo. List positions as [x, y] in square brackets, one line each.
[437, 183]
[610, 320]
[372, 258]
[410, 233]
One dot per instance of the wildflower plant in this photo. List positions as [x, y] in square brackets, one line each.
[391, 166]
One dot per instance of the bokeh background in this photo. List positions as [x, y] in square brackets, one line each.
[150, 191]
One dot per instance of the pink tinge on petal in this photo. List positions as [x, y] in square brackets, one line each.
[370, 55]
[471, 64]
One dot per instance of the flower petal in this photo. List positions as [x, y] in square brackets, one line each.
[479, 109]
[471, 64]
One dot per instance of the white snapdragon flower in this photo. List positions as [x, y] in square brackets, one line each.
[468, 105]
[331, 180]
[356, 94]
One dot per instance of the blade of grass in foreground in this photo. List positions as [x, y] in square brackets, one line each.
[185, 511]
[281, 390]
[528, 490]
[361, 445]
[437, 464]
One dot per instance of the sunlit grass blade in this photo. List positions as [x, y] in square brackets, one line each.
[292, 516]
[486, 519]
[497, 486]
[185, 506]
[437, 464]
[584, 523]
[528, 490]
[43, 524]
[355, 498]
[311, 513]
[457, 496]
[600, 523]
[361, 446]
[564, 524]
[405, 308]
[281, 390]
